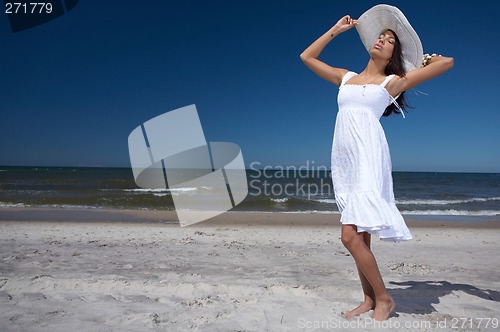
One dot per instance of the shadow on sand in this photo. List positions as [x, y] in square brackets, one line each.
[418, 297]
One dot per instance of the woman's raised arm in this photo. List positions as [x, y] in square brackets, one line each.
[311, 54]
[435, 66]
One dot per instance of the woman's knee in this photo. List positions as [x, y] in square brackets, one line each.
[349, 236]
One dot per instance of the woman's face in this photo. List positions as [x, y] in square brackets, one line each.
[384, 45]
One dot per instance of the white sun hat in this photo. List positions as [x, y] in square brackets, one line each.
[383, 17]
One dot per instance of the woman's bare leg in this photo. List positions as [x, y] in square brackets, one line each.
[369, 294]
[367, 265]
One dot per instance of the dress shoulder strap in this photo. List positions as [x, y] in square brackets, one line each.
[392, 100]
[387, 80]
[347, 76]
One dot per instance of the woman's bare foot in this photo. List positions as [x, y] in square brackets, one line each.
[383, 308]
[362, 308]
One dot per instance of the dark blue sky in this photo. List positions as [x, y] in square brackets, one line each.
[72, 90]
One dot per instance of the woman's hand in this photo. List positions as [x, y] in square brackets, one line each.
[345, 23]
[311, 54]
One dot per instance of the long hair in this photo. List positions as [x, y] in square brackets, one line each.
[395, 66]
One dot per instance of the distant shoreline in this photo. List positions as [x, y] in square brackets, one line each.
[243, 218]
[277, 169]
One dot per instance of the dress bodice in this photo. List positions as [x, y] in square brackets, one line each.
[367, 97]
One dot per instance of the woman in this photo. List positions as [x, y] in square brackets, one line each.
[361, 165]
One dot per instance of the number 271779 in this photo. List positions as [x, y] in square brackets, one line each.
[28, 8]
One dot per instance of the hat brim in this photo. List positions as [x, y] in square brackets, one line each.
[383, 17]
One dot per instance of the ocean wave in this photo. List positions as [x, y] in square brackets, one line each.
[279, 200]
[312, 212]
[426, 201]
[448, 212]
[413, 212]
[73, 206]
[144, 190]
[325, 200]
[446, 202]
[13, 205]
[402, 201]
[160, 194]
[50, 206]
[452, 212]
[162, 190]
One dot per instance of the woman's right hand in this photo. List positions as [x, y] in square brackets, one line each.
[345, 23]
[311, 54]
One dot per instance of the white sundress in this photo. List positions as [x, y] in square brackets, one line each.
[361, 162]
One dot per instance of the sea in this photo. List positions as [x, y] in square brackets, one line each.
[269, 190]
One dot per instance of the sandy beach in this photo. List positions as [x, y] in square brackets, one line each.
[98, 270]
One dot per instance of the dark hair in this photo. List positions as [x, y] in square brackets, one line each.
[395, 66]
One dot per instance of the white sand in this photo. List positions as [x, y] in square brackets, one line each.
[83, 276]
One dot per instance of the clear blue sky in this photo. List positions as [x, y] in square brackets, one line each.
[72, 90]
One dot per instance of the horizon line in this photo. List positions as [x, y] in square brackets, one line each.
[283, 168]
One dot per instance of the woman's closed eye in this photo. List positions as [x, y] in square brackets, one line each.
[390, 40]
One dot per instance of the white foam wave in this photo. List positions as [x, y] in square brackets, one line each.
[452, 212]
[182, 189]
[311, 212]
[207, 188]
[13, 205]
[162, 190]
[279, 200]
[71, 206]
[412, 212]
[446, 202]
[325, 200]
[148, 190]
[420, 201]
[56, 206]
